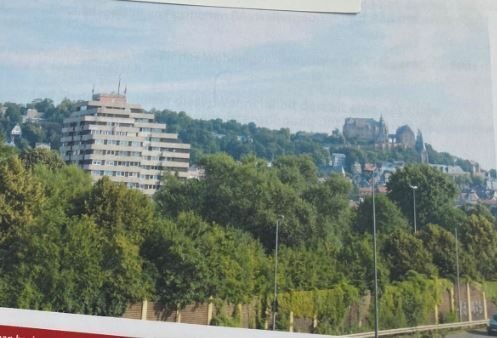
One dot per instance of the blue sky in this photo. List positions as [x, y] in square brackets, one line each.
[425, 63]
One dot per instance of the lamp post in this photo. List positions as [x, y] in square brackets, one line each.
[280, 218]
[376, 315]
[457, 277]
[414, 188]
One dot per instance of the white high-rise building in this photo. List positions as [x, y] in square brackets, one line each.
[109, 137]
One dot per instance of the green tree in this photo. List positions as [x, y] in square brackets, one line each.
[298, 172]
[54, 265]
[177, 267]
[176, 196]
[402, 252]
[313, 268]
[125, 217]
[33, 133]
[117, 209]
[388, 216]
[434, 197]
[355, 262]
[330, 199]
[410, 302]
[32, 157]
[191, 260]
[442, 244]
[6, 151]
[247, 196]
[479, 239]
[21, 196]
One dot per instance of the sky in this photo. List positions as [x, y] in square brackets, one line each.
[425, 63]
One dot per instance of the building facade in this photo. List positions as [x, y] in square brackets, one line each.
[109, 137]
[365, 130]
[15, 134]
[405, 137]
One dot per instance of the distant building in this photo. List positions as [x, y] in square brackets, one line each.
[369, 167]
[388, 168]
[15, 134]
[195, 173]
[451, 170]
[365, 130]
[421, 148]
[109, 137]
[33, 115]
[475, 169]
[356, 168]
[491, 184]
[217, 135]
[16, 131]
[404, 137]
[42, 146]
[468, 198]
[338, 161]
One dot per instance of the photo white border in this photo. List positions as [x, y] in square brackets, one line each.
[319, 6]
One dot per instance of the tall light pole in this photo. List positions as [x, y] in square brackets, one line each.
[457, 278]
[280, 218]
[376, 315]
[414, 188]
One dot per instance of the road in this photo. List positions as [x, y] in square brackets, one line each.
[475, 333]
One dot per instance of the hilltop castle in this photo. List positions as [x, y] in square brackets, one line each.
[370, 131]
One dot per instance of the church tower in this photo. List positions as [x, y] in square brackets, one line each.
[382, 133]
[421, 148]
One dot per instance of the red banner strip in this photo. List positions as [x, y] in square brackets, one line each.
[24, 332]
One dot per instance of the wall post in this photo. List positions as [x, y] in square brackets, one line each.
[178, 315]
[468, 298]
[240, 313]
[485, 311]
[210, 310]
[144, 309]
[451, 300]
[290, 324]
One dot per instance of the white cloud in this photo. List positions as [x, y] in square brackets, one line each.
[235, 30]
[67, 56]
[226, 80]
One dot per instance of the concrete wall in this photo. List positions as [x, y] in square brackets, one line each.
[472, 297]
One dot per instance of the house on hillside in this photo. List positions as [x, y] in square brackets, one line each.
[34, 116]
[338, 162]
[15, 134]
[468, 197]
[451, 170]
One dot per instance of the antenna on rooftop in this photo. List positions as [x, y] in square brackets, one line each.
[92, 90]
[125, 89]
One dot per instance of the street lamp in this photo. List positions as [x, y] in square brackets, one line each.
[280, 218]
[457, 277]
[376, 315]
[414, 188]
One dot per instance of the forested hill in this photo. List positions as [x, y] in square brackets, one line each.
[238, 140]
[216, 135]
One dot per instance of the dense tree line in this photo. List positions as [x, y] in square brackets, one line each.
[67, 245]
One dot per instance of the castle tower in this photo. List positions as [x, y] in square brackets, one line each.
[421, 148]
[382, 133]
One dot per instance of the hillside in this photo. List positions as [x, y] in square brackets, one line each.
[215, 135]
